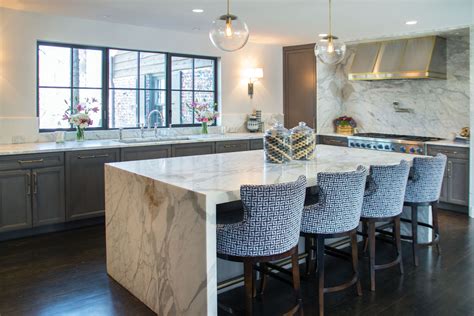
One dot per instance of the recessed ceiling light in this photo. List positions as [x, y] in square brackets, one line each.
[198, 10]
[411, 22]
[196, 29]
[322, 35]
[106, 16]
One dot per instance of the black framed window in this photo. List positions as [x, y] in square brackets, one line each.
[192, 78]
[128, 85]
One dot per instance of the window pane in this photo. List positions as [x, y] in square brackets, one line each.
[204, 74]
[204, 98]
[181, 73]
[123, 68]
[151, 100]
[87, 68]
[52, 105]
[54, 66]
[181, 113]
[123, 108]
[91, 98]
[152, 71]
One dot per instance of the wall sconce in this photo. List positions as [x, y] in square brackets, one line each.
[253, 74]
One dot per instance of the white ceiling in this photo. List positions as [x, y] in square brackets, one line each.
[270, 21]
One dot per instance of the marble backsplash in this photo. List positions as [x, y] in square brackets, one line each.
[439, 107]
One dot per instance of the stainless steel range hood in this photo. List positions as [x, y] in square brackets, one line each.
[413, 58]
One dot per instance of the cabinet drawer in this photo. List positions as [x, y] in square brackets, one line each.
[231, 146]
[195, 149]
[256, 144]
[21, 162]
[147, 152]
[451, 152]
[333, 140]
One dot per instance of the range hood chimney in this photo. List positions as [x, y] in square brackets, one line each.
[413, 58]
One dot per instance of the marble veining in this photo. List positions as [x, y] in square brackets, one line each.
[441, 107]
[33, 148]
[161, 218]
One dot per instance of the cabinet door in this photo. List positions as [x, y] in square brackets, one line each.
[256, 144]
[48, 196]
[15, 200]
[193, 149]
[148, 152]
[444, 196]
[232, 146]
[85, 196]
[458, 188]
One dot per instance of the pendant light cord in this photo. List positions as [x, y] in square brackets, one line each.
[330, 19]
[228, 7]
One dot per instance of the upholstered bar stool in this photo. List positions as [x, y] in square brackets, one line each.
[383, 202]
[424, 189]
[268, 232]
[336, 214]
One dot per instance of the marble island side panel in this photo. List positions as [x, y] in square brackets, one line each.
[157, 244]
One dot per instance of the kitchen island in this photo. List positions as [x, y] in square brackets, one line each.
[161, 218]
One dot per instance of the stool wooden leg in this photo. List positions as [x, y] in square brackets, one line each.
[320, 263]
[355, 261]
[372, 254]
[398, 241]
[248, 282]
[414, 232]
[295, 267]
[364, 232]
[434, 210]
[309, 245]
[263, 277]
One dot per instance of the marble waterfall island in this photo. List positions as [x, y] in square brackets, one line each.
[161, 218]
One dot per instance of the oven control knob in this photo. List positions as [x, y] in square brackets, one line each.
[387, 147]
[393, 148]
[351, 144]
[369, 146]
[362, 145]
[402, 149]
[357, 145]
[412, 150]
[380, 146]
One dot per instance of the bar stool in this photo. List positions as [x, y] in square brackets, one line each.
[383, 202]
[268, 232]
[424, 189]
[336, 214]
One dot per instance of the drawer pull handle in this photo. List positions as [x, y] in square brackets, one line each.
[35, 183]
[28, 184]
[93, 156]
[230, 146]
[30, 161]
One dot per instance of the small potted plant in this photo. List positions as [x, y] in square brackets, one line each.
[205, 114]
[79, 116]
[345, 125]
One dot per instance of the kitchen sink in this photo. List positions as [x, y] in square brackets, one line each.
[152, 139]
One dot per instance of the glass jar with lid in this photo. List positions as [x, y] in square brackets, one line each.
[303, 142]
[277, 144]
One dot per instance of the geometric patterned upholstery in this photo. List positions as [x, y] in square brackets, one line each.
[340, 203]
[271, 224]
[425, 183]
[386, 192]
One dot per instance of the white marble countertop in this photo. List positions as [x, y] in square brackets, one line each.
[35, 148]
[220, 176]
[444, 142]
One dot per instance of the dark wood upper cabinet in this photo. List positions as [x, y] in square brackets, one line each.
[299, 85]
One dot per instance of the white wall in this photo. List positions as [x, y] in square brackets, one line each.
[19, 32]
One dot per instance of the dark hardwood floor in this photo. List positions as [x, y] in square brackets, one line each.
[64, 274]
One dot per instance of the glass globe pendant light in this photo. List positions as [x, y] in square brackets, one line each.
[329, 49]
[228, 32]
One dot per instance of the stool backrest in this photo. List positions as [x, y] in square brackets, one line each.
[272, 215]
[424, 184]
[386, 190]
[340, 199]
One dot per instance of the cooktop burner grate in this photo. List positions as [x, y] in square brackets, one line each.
[398, 137]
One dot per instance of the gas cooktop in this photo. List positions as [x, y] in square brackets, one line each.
[390, 142]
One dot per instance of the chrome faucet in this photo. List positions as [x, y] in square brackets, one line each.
[148, 120]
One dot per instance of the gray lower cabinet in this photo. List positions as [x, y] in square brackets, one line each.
[256, 144]
[455, 189]
[85, 182]
[232, 146]
[146, 152]
[15, 200]
[193, 149]
[332, 140]
[48, 195]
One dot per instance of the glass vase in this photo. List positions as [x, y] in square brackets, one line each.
[80, 134]
[204, 128]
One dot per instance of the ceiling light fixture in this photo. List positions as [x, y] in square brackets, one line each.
[198, 10]
[329, 49]
[411, 22]
[228, 32]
